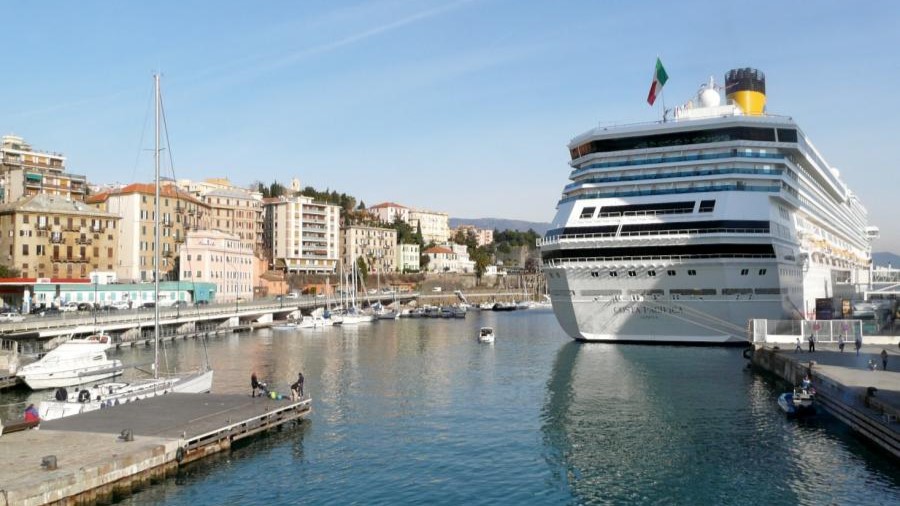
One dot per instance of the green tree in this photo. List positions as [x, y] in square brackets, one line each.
[9, 272]
[363, 268]
[482, 258]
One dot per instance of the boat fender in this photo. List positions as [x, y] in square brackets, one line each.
[61, 394]
[746, 353]
[179, 454]
[84, 396]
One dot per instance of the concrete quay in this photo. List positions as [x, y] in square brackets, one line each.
[96, 465]
[866, 400]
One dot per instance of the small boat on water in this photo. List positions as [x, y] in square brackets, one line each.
[486, 335]
[76, 361]
[504, 306]
[799, 403]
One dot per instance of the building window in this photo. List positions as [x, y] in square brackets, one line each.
[24, 250]
[692, 272]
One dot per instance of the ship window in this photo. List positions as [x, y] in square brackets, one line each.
[692, 272]
[651, 273]
[787, 135]
[632, 273]
[588, 212]
[762, 272]
[595, 274]
[613, 273]
[671, 273]
[744, 272]
[707, 206]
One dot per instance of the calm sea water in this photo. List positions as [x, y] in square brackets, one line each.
[418, 412]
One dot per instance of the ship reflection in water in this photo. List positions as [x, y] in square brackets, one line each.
[638, 424]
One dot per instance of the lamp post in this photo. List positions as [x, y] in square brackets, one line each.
[94, 305]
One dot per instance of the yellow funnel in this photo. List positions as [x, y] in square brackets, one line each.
[747, 87]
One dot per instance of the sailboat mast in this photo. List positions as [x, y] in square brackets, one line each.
[156, 241]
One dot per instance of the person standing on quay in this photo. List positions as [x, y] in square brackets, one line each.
[254, 385]
[841, 343]
[300, 383]
[812, 342]
[858, 343]
[798, 348]
[884, 359]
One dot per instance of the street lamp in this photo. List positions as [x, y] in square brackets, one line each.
[94, 305]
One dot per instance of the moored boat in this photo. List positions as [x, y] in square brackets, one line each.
[77, 361]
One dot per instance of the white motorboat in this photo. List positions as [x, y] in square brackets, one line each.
[74, 362]
[486, 335]
[311, 322]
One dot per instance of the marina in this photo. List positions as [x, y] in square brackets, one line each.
[423, 397]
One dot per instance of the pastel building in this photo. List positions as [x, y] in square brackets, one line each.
[25, 171]
[222, 259]
[435, 226]
[389, 212]
[376, 245]
[408, 258]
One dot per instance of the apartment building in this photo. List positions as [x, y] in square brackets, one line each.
[25, 171]
[302, 235]
[237, 212]
[454, 258]
[376, 245]
[220, 258]
[483, 236]
[48, 236]
[180, 212]
[435, 226]
[388, 212]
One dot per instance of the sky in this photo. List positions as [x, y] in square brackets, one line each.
[462, 106]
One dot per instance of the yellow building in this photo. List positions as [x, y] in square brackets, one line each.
[25, 172]
[48, 236]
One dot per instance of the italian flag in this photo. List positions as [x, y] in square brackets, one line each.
[659, 80]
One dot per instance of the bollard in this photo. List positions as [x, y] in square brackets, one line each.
[49, 463]
[126, 435]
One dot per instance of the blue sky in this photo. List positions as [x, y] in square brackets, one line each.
[462, 106]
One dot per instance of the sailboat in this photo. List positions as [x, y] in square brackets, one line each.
[110, 394]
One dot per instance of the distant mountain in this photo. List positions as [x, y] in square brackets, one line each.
[883, 258]
[501, 224]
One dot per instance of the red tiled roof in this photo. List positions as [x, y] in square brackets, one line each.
[165, 190]
[387, 204]
[439, 249]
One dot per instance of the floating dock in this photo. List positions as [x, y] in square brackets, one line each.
[866, 400]
[104, 455]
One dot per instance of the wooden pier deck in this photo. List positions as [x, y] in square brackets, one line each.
[96, 465]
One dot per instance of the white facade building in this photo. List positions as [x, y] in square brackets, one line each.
[378, 246]
[435, 226]
[408, 258]
[302, 235]
[389, 212]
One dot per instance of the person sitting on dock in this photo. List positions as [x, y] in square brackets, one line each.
[31, 414]
[806, 384]
[295, 391]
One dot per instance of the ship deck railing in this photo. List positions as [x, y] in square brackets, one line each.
[645, 233]
[558, 262]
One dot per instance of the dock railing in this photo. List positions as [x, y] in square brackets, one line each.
[825, 331]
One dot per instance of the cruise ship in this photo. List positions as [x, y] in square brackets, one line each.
[683, 230]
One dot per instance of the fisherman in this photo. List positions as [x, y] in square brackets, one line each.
[295, 391]
[300, 380]
[806, 383]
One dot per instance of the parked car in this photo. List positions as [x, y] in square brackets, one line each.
[11, 317]
[121, 304]
[69, 307]
[201, 302]
[148, 305]
[293, 295]
[108, 307]
[85, 306]
[180, 303]
[437, 289]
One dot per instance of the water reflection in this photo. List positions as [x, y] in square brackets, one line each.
[641, 424]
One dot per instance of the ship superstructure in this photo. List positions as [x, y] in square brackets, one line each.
[683, 230]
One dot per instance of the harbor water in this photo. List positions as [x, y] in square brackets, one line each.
[419, 412]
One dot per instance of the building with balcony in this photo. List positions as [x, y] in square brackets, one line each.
[453, 258]
[180, 213]
[220, 258]
[408, 258]
[49, 236]
[25, 171]
[376, 245]
[239, 212]
[302, 235]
